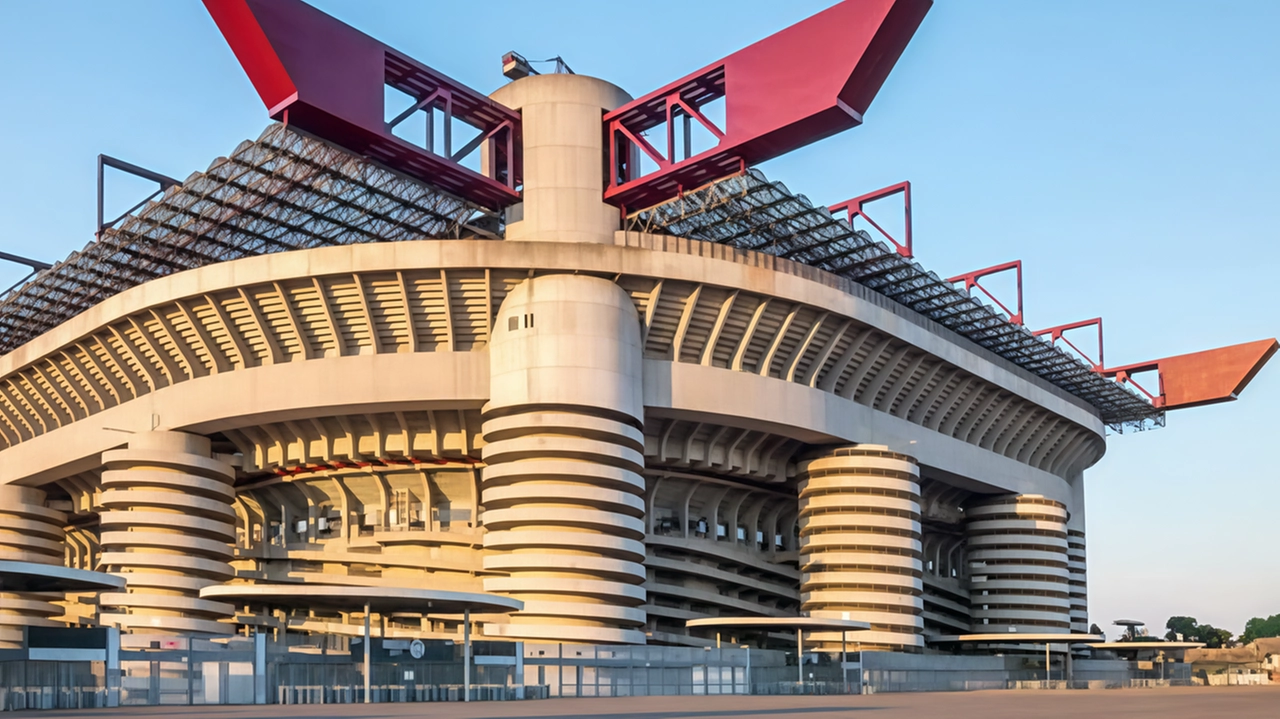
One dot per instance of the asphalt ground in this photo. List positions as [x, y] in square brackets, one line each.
[1165, 703]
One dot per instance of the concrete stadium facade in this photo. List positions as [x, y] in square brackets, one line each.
[625, 431]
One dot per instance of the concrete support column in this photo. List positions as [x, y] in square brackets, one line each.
[168, 529]
[564, 158]
[29, 532]
[563, 492]
[860, 544]
[1079, 590]
[1018, 575]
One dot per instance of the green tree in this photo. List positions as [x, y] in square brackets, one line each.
[1213, 637]
[1186, 626]
[1193, 631]
[1261, 628]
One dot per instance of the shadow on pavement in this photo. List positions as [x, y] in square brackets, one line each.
[667, 714]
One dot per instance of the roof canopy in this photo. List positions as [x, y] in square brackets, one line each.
[1015, 638]
[353, 598]
[284, 191]
[799, 623]
[33, 577]
[750, 212]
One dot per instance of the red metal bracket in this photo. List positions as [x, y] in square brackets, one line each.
[1124, 375]
[1056, 333]
[1200, 378]
[856, 208]
[325, 77]
[972, 280]
[807, 82]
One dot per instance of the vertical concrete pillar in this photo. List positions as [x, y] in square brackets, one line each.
[860, 544]
[1076, 559]
[29, 532]
[563, 492]
[168, 529]
[564, 158]
[1018, 574]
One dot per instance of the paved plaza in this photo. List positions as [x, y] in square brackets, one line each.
[1169, 703]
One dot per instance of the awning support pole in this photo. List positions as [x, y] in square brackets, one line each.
[466, 654]
[368, 652]
[800, 656]
[861, 667]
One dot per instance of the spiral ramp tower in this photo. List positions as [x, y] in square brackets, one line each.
[563, 484]
[168, 528]
[860, 544]
[29, 532]
[1018, 565]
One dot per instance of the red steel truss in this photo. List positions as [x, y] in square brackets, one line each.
[1056, 333]
[857, 208]
[807, 82]
[318, 74]
[973, 279]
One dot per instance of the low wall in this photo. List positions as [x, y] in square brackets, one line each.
[894, 672]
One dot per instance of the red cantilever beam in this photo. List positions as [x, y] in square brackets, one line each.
[323, 76]
[973, 279]
[1200, 378]
[807, 82]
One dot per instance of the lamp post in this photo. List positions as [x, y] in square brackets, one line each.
[844, 660]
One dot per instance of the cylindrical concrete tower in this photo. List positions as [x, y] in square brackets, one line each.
[1018, 564]
[168, 529]
[1078, 583]
[860, 543]
[562, 489]
[564, 160]
[29, 532]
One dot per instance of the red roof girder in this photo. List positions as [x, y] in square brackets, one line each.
[320, 75]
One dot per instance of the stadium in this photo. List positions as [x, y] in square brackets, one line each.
[563, 367]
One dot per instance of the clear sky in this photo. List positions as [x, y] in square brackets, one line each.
[1125, 151]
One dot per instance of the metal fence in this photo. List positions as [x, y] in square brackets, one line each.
[52, 685]
[181, 671]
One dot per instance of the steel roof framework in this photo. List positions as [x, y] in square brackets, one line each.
[289, 191]
[749, 212]
[284, 191]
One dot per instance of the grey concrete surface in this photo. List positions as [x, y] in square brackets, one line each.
[1174, 703]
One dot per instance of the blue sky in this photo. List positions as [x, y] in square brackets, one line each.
[1125, 151]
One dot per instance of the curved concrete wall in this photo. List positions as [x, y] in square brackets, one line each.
[860, 543]
[1019, 577]
[306, 317]
[563, 490]
[168, 529]
[29, 532]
